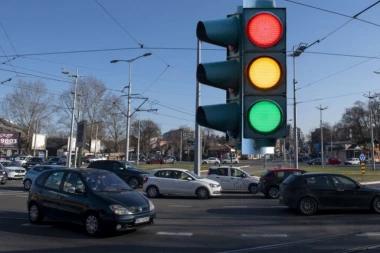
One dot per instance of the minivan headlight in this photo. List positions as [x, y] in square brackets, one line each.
[151, 205]
[119, 210]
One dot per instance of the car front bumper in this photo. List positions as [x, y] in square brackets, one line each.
[16, 175]
[128, 222]
[215, 191]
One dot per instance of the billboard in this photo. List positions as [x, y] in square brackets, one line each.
[40, 142]
[73, 142]
[10, 140]
[96, 146]
[81, 134]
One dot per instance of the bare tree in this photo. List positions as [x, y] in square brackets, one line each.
[150, 133]
[93, 102]
[26, 105]
[115, 121]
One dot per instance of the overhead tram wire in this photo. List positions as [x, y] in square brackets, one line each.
[9, 39]
[340, 14]
[174, 117]
[155, 80]
[338, 96]
[130, 35]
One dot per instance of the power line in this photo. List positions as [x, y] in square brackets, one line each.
[338, 96]
[167, 66]
[337, 13]
[156, 102]
[343, 70]
[8, 38]
[130, 35]
[174, 117]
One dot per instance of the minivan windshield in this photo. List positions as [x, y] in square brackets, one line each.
[105, 182]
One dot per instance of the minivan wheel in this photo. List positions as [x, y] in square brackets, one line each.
[35, 215]
[92, 224]
[307, 206]
[253, 188]
[273, 192]
[133, 183]
[202, 193]
[152, 192]
[27, 184]
[376, 204]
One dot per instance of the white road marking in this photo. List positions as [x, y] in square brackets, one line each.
[235, 206]
[369, 234]
[176, 234]
[22, 196]
[34, 225]
[180, 206]
[264, 235]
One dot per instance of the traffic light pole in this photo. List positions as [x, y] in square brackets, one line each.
[197, 139]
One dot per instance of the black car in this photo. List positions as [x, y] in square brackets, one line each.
[125, 170]
[97, 199]
[310, 192]
[56, 161]
[33, 161]
[269, 183]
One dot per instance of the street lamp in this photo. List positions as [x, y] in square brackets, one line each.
[65, 72]
[320, 108]
[370, 97]
[129, 98]
[301, 48]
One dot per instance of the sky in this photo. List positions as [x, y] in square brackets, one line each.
[45, 26]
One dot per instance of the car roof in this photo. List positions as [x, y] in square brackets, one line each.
[84, 170]
[226, 166]
[53, 166]
[177, 169]
[284, 169]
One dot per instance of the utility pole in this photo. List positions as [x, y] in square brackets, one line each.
[78, 150]
[197, 133]
[138, 136]
[72, 113]
[180, 154]
[320, 108]
[370, 97]
[35, 139]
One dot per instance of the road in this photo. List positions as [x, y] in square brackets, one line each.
[232, 223]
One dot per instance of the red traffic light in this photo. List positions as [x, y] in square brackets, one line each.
[264, 29]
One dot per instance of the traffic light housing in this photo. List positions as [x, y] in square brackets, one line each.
[264, 77]
[225, 75]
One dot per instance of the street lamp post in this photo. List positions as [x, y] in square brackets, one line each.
[320, 108]
[129, 99]
[370, 97]
[72, 112]
[138, 136]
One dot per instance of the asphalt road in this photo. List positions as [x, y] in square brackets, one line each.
[232, 223]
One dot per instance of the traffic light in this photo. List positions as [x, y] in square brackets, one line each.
[264, 77]
[225, 75]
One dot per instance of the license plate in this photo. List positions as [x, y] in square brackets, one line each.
[142, 220]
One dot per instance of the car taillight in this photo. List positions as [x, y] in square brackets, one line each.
[267, 179]
[146, 179]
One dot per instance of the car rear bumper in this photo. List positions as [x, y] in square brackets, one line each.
[125, 223]
[287, 201]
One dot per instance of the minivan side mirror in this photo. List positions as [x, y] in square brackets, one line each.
[189, 179]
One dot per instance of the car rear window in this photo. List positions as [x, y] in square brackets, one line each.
[267, 173]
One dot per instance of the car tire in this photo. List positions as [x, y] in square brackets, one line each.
[204, 163]
[202, 193]
[375, 204]
[27, 185]
[34, 213]
[307, 206]
[273, 192]
[92, 224]
[338, 163]
[216, 163]
[236, 162]
[152, 192]
[133, 183]
[223, 163]
[253, 188]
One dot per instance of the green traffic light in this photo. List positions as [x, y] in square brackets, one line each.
[265, 116]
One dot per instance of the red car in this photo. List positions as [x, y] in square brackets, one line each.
[157, 159]
[334, 161]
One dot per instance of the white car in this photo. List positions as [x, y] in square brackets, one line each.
[12, 169]
[352, 161]
[234, 179]
[179, 182]
[96, 158]
[230, 160]
[211, 160]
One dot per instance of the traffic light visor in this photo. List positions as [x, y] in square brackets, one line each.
[264, 29]
[264, 73]
[265, 116]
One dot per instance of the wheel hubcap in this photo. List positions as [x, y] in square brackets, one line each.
[91, 224]
[273, 192]
[307, 206]
[202, 193]
[133, 183]
[253, 188]
[27, 185]
[152, 192]
[376, 204]
[33, 212]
